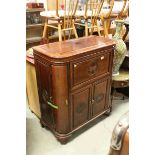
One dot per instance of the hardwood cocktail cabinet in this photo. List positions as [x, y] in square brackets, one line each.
[74, 83]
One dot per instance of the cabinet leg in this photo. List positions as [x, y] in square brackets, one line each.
[64, 140]
[42, 124]
[32, 111]
[108, 112]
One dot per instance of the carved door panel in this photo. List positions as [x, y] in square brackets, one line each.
[99, 97]
[44, 83]
[81, 100]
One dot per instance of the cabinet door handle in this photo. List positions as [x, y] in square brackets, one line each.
[67, 102]
[52, 105]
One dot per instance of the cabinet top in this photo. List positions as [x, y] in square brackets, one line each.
[70, 48]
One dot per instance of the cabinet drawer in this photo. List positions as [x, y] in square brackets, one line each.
[90, 68]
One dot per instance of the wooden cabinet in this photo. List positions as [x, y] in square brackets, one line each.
[74, 83]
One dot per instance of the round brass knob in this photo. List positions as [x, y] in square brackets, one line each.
[102, 57]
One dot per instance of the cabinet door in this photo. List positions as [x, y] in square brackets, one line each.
[80, 106]
[99, 96]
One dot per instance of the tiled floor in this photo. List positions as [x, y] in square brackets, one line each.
[94, 141]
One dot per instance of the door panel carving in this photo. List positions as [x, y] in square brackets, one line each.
[99, 97]
[81, 100]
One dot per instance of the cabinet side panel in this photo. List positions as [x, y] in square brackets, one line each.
[109, 102]
[43, 82]
[60, 98]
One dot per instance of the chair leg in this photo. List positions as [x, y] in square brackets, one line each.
[108, 22]
[45, 29]
[75, 32]
[98, 29]
[64, 35]
[105, 28]
[92, 30]
[70, 34]
[59, 31]
[86, 28]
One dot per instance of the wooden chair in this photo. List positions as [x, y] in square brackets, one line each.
[91, 16]
[61, 20]
[125, 10]
[118, 9]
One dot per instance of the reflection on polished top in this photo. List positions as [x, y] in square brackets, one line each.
[73, 47]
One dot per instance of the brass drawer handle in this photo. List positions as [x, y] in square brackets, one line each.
[75, 65]
[102, 57]
[52, 105]
[92, 69]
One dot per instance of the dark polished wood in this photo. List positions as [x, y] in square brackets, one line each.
[74, 83]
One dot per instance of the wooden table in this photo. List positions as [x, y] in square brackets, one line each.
[121, 80]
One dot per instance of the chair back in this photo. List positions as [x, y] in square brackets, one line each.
[93, 8]
[125, 10]
[119, 7]
[68, 8]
